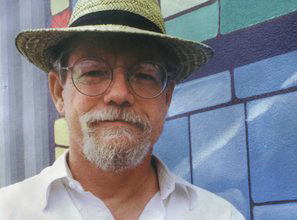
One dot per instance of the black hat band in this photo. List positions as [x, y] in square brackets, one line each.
[117, 17]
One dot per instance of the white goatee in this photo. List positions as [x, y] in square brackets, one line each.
[119, 148]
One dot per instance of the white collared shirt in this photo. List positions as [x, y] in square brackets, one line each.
[54, 194]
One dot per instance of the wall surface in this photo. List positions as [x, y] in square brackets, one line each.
[231, 126]
[24, 130]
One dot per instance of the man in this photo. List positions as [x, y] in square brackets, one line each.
[111, 74]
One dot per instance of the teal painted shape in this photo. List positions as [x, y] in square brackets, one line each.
[198, 25]
[171, 7]
[238, 14]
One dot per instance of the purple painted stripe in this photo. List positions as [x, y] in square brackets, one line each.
[261, 41]
[48, 15]
[52, 117]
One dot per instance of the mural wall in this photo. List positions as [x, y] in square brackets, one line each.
[232, 126]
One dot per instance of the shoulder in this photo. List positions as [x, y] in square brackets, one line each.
[203, 204]
[20, 188]
[33, 189]
[21, 196]
[207, 205]
[211, 206]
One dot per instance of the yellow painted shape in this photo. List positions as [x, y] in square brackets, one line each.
[58, 6]
[61, 132]
[59, 151]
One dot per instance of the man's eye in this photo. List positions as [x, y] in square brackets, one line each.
[92, 77]
[144, 76]
[96, 74]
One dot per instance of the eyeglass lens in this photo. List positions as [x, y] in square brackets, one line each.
[93, 77]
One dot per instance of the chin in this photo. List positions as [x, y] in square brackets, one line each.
[116, 149]
[114, 140]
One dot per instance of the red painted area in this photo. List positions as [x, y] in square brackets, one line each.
[61, 20]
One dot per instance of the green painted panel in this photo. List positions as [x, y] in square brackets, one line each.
[198, 25]
[58, 6]
[61, 132]
[59, 151]
[238, 14]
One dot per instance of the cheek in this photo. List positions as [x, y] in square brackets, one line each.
[158, 115]
[75, 105]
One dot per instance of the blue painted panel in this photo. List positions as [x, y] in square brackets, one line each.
[198, 25]
[219, 154]
[272, 125]
[267, 75]
[73, 2]
[173, 147]
[276, 212]
[201, 93]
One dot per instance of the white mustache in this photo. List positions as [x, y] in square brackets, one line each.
[116, 114]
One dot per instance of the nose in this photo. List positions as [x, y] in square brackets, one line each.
[119, 93]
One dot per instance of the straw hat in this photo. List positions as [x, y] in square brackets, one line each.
[136, 17]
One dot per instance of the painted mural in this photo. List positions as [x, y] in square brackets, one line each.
[60, 12]
[232, 126]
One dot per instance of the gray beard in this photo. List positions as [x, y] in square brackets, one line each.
[115, 149]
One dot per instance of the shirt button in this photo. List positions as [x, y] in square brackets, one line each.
[79, 188]
[72, 185]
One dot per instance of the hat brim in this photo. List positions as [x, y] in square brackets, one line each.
[34, 43]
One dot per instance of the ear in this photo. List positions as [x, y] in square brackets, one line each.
[56, 90]
[169, 92]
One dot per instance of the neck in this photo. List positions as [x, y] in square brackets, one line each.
[114, 187]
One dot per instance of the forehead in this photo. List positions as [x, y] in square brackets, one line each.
[137, 48]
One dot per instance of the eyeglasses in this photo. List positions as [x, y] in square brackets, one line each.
[92, 77]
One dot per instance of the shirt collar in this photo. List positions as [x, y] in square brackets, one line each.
[167, 180]
[168, 183]
[57, 171]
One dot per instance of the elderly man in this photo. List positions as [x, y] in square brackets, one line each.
[111, 74]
